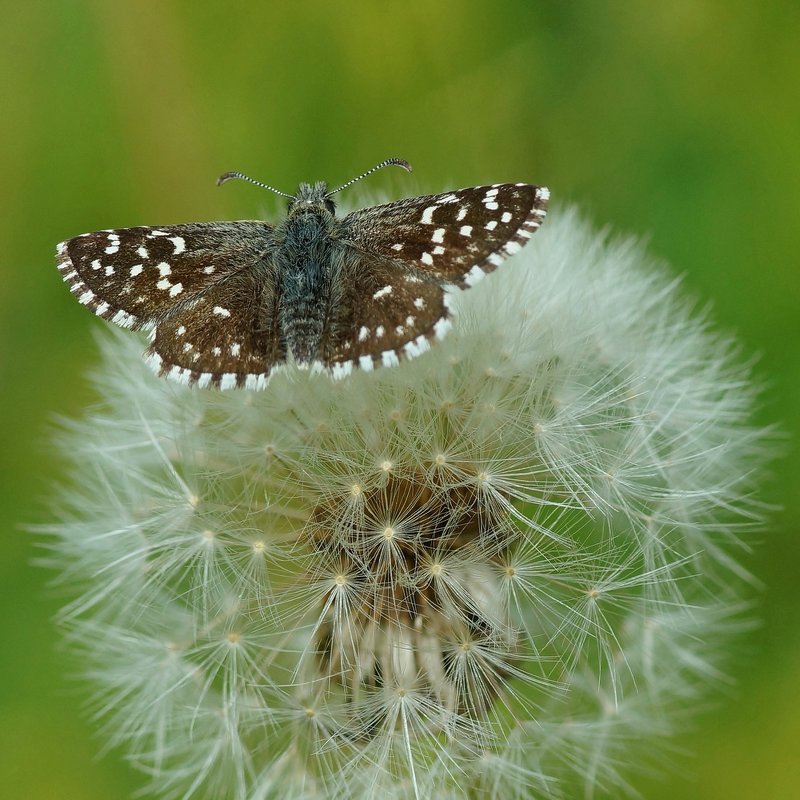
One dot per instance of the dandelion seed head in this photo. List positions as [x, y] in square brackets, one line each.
[496, 569]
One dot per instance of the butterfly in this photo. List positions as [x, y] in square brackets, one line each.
[227, 304]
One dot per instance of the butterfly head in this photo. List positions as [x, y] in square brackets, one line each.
[313, 197]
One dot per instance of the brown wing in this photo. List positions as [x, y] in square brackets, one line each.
[227, 337]
[135, 277]
[207, 291]
[382, 314]
[456, 237]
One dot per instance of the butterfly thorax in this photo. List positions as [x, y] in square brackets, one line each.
[305, 266]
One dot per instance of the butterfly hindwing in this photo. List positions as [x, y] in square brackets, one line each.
[383, 315]
[227, 336]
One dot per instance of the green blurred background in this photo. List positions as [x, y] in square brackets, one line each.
[679, 121]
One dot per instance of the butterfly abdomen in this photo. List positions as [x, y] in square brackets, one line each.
[304, 268]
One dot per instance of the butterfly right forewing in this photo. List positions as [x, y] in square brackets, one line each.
[207, 291]
[135, 277]
[455, 237]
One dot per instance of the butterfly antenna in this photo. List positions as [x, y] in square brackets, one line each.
[390, 162]
[229, 176]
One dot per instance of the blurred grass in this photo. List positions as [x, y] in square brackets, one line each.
[680, 121]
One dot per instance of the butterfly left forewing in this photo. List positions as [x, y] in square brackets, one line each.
[455, 237]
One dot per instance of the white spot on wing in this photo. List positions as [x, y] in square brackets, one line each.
[419, 303]
[164, 269]
[380, 293]
[258, 381]
[341, 370]
[154, 361]
[222, 312]
[123, 319]
[379, 331]
[441, 327]
[180, 244]
[427, 215]
[416, 347]
[236, 348]
[176, 290]
[142, 252]
[365, 362]
[466, 230]
[462, 212]
[363, 334]
[209, 269]
[491, 225]
[389, 358]
[438, 236]
[136, 269]
[228, 381]
[474, 275]
[96, 264]
[426, 258]
[164, 284]
[506, 216]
